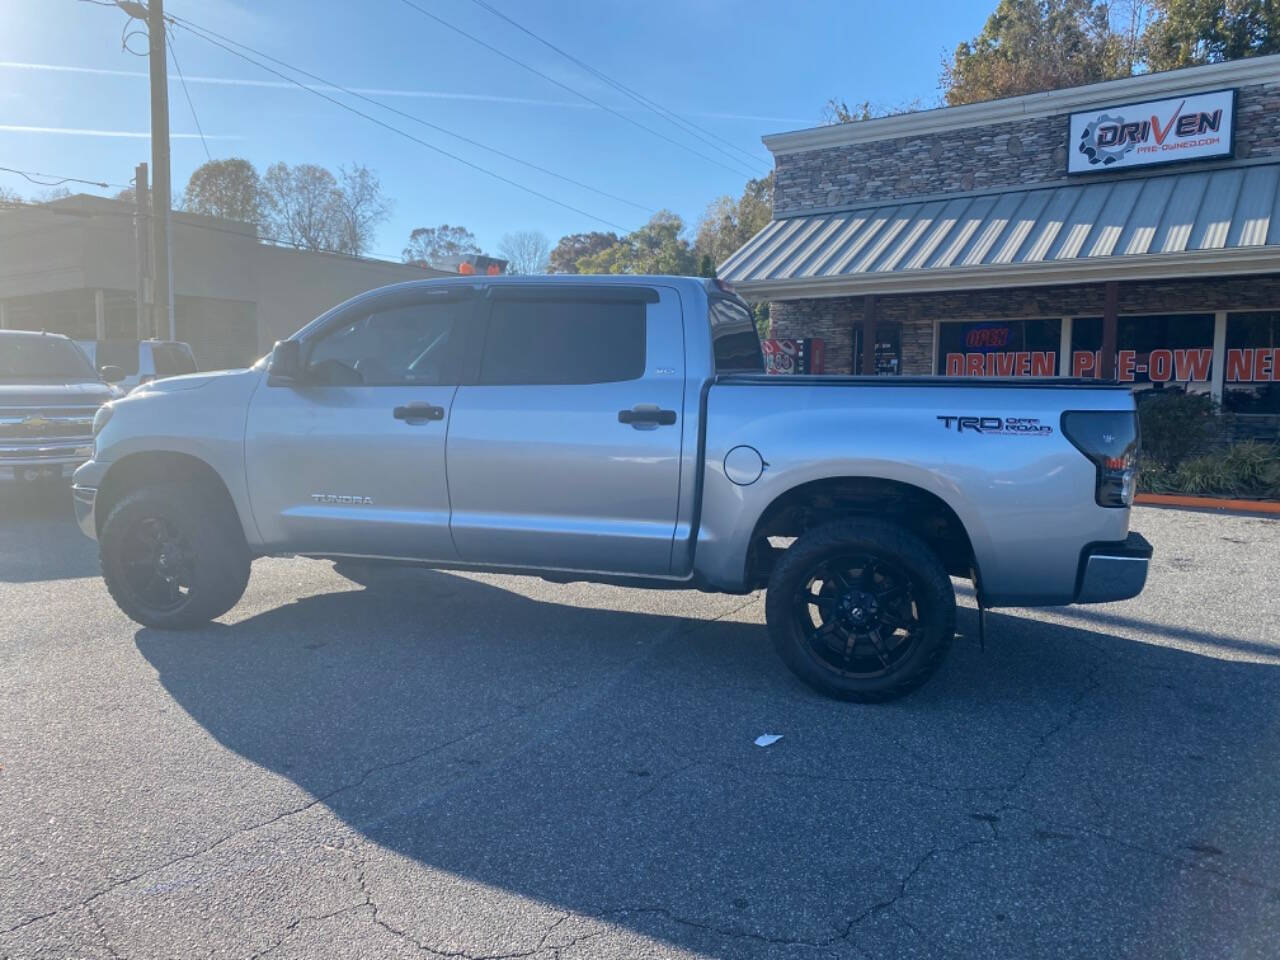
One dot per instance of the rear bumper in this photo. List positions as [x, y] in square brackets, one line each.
[1113, 571]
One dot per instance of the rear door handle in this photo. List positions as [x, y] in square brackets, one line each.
[646, 416]
[418, 412]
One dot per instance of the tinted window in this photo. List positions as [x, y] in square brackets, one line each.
[734, 338]
[42, 358]
[1150, 350]
[413, 344]
[118, 353]
[173, 359]
[564, 341]
[999, 348]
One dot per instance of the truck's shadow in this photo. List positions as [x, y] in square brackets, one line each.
[601, 760]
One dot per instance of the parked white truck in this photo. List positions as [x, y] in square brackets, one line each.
[620, 429]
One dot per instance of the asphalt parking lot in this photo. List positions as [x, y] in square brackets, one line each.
[409, 763]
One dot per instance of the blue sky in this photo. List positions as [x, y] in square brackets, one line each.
[737, 69]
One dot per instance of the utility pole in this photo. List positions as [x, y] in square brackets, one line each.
[141, 229]
[161, 198]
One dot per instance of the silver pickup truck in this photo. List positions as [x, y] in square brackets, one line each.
[620, 430]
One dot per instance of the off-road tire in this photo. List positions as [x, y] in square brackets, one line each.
[930, 588]
[219, 570]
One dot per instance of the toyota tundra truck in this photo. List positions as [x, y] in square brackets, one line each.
[620, 430]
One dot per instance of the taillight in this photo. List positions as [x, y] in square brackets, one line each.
[1110, 439]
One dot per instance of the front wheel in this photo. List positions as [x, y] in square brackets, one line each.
[861, 610]
[172, 558]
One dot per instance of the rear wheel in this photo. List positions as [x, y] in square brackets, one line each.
[860, 610]
[173, 557]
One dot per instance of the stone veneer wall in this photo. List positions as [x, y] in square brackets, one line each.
[1014, 153]
[834, 318]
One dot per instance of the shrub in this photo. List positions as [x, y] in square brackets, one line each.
[1247, 469]
[1174, 426]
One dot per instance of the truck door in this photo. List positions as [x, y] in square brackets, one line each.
[351, 460]
[565, 453]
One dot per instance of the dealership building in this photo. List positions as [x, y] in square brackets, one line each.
[70, 266]
[1127, 229]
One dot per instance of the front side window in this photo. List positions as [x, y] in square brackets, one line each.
[397, 346]
[118, 353]
[564, 342]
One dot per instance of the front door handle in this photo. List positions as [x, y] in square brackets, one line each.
[418, 412]
[646, 416]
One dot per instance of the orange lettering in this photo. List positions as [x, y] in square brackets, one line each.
[1192, 364]
[1044, 363]
[1126, 360]
[1160, 365]
[1081, 362]
[1262, 369]
[1239, 366]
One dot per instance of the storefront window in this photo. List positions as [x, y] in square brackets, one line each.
[1174, 349]
[999, 348]
[1252, 381]
[888, 349]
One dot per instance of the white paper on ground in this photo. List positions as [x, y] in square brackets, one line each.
[768, 739]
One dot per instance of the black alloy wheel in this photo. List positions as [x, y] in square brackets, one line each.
[860, 609]
[174, 555]
[858, 614]
[158, 562]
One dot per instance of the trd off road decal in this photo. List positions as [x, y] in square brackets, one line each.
[1006, 426]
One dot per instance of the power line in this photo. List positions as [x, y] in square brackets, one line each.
[740, 171]
[416, 119]
[53, 180]
[187, 93]
[675, 119]
[394, 129]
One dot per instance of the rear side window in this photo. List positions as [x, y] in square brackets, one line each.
[734, 339]
[564, 341]
[118, 353]
[172, 359]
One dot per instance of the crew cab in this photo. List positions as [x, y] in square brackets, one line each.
[49, 393]
[620, 430]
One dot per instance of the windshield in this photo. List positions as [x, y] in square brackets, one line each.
[43, 358]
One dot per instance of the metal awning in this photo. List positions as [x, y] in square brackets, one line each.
[1224, 221]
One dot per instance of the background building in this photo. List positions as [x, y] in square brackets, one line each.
[1129, 228]
[70, 266]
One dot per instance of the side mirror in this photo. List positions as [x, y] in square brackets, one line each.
[285, 366]
[111, 373]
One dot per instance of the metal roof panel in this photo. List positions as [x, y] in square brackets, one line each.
[1169, 213]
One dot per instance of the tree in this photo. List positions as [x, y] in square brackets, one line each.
[728, 223]
[657, 247]
[299, 202]
[572, 248]
[1183, 33]
[1028, 46]
[229, 188]
[358, 207]
[525, 251]
[428, 245]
